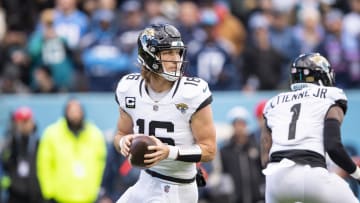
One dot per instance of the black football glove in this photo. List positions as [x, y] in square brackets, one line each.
[200, 179]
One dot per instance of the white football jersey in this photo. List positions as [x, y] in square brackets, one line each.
[296, 118]
[168, 119]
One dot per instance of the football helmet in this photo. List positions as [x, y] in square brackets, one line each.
[156, 38]
[311, 68]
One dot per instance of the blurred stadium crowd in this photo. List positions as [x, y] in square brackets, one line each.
[55, 46]
[50, 46]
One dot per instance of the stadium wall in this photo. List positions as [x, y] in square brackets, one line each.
[102, 109]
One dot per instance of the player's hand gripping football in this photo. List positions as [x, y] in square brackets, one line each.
[161, 153]
[125, 143]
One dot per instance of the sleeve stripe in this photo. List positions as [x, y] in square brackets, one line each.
[342, 103]
[205, 103]
[117, 99]
[140, 85]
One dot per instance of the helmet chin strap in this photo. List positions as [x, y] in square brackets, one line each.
[170, 77]
[164, 74]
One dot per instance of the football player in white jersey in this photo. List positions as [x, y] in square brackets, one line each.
[303, 125]
[175, 110]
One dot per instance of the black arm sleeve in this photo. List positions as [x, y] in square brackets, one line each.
[334, 147]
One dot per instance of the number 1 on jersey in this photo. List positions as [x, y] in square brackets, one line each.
[292, 127]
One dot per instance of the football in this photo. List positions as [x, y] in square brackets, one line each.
[138, 149]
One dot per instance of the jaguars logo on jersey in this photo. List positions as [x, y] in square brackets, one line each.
[182, 107]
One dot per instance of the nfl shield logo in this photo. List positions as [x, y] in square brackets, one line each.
[166, 188]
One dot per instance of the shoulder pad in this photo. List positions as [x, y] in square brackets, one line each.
[127, 81]
[336, 94]
[194, 86]
[269, 104]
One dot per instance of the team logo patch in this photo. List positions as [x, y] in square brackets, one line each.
[182, 107]
[130, 102]
[166, 188]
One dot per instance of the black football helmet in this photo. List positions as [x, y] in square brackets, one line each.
[311, 68]
[156, 38]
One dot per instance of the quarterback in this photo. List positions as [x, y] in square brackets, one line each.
[174, 110]
[302, 126]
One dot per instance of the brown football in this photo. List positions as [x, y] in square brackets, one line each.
[138, 149]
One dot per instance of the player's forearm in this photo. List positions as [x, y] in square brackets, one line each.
[117, 139]
[334, 147]
[207, 152]
[265, 145]
[116, 142]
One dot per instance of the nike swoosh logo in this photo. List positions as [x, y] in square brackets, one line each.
[204, 90]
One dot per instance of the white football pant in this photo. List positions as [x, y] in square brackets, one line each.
[289, 182]
[154, 190]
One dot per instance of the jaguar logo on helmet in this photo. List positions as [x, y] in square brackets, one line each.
[320, 61]
[149, 32]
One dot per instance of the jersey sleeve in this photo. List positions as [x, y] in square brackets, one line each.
[268, 106]
[338, 97]
[197, 91]
[266, 111]
[124, 85]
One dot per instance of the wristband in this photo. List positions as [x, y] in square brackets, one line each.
[190, 153]
[173, 152]
[356, 173]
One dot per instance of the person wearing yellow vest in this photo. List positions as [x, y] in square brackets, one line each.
[71, 158]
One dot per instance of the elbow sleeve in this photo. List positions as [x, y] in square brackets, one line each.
[334, 147]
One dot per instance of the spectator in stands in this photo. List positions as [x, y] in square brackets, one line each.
[71, 158]
[344, 59]
[262, 63]
[119, 175]
[89, 7]
[231, 29]
[210, 58]
[188, 20]
[10, 82]
[20, 15]
[70, 23]
[240, 159]
[44, 83]
[19, 158]
[47, 48]
[131, 24]
[309, 29]
[153, 12]
[352, 18]
[352, 40]
[283, 40]
[14, 64]
[3, 25]
[103, 60]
